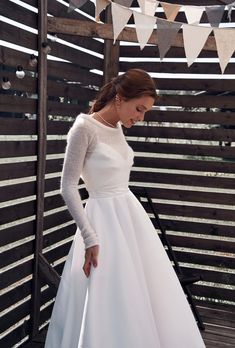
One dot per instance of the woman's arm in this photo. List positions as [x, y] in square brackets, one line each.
[79, 140]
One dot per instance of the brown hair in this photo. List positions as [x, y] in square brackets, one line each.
[134, 83]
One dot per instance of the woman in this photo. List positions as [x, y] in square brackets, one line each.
[118, 287]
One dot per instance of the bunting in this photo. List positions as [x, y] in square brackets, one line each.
[144, 27]
[148, 7]
[225, 42]
[170, 10]
[120, 15]
[194, 35]
[166, 33]
[194, 40]
[215, 14]
[193, 14]
[100, 6]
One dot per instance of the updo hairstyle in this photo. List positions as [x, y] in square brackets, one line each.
[134, 83]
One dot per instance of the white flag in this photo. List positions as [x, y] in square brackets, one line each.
[144, 27]
[193, 13]
[194, 40]
[148, 7]
[120, 16]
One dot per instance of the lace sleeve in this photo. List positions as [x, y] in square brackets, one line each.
[78, 142]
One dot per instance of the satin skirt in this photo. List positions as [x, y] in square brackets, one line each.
[133, 298]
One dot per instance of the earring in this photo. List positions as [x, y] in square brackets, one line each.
[117, 98]
[118, 101]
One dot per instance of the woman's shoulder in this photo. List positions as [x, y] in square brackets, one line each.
[82, 124]
[81, 131]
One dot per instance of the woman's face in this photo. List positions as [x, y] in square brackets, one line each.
[133, 110]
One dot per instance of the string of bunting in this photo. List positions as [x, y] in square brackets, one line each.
[194, 35]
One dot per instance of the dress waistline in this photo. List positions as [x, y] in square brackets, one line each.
[109, 193]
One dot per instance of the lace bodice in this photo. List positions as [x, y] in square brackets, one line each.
[101, 156]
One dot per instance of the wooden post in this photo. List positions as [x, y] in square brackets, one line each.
[111, 53]
[41, 159]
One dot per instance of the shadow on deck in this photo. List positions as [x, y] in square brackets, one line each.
[219, 324]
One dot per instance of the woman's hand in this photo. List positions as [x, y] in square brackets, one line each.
[91, 256]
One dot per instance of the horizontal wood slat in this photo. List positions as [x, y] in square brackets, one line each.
[205, 260]
[191, 165]
[216, 134]
[182, 68]
[207, 118]
[196, 212]
[18, 13]
[210, 229]
[181, 179]
[223, 152]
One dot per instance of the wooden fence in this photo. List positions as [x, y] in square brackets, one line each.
[184, 153]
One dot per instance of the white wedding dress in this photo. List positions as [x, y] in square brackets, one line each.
[133, 298]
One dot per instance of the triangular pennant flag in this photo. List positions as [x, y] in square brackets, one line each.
[215, 14]
[144, 27]
[100, 6]
[225, 43]
[166, 33]
[194, 40]
[170, 10]
[193, 13]
[73, 4]
[120, 16]
[126, 3]
[148, 7]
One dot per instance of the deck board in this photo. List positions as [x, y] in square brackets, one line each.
[219, 330]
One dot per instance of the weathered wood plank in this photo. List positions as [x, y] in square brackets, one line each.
[205, 260]
[181, 164]
[203, 83]
[194, 211]
[215, 276]
[212, 292]
[17, 232]
[182, 179]
[21, 271]
[18, 13]
[153, 52]
[70, 91]
[210, 117]
[189, 195]
[11, 192]
[209, 229]
[11, 103]
[203, 244]
[223, 152]
[206, 101]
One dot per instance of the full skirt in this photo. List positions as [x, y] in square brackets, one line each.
[133, 298]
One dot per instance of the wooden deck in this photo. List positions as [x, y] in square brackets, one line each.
[219, 324]
[219, 333]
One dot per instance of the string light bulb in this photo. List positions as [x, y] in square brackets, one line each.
[20, 72]
[46, 48]
[6, 84]
[33, 61]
